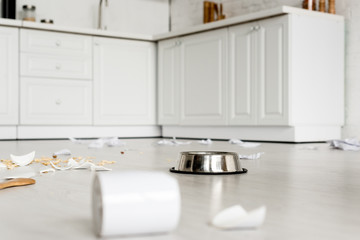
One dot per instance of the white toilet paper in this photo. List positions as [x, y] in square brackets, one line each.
[135, 202]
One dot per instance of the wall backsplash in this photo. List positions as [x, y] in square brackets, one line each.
[133, 16]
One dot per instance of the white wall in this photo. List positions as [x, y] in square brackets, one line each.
[186, 13]
[134, 16]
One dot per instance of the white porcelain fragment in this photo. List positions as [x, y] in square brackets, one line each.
[24, 159]
[173, 142]
[62, 152]
[236, 217]
[46, 171]
[206, 142]
[251, 156]
[348, 144]
[60, 168]
[244, 144]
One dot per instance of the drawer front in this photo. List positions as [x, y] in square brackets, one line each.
[36, 41]
[38, 65]
[55, 102]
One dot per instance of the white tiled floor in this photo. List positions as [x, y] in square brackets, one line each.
[309, 194]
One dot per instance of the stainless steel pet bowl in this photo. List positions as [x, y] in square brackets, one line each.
[208, 162]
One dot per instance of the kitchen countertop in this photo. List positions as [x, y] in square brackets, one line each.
[309, 193]
[157, 37]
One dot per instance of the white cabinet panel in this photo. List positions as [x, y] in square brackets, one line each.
[168, 84]
[53, 101]
[45, 42]
[259, 73]
[242, 75]
[203, 78]
[9, 79]
[39, 65]
[124, 82]
[273, 68]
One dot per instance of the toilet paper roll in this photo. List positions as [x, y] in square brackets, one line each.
[135, 202]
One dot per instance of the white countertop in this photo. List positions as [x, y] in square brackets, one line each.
[194, 29]
[310, 193]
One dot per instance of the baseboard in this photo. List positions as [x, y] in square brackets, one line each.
[261, 133]
[51, 132]
[8, 132]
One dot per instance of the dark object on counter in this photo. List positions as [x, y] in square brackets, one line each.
[332, 6]
[29, 13]
[305, 4]
[8, 9]
[213, 11]
[322, 6]
[48, 21]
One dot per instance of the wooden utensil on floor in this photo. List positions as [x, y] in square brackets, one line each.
[17, 182]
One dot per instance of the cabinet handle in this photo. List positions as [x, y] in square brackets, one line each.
[58, 102]
[58, 43]
[96, 44]
[58, 66]
[257, 28]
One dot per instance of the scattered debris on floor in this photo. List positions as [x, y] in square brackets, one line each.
[251, 156]
[173, 142]
[100, 142]
[24, 159]
[349, 144]
[236, 217]
[205, 142]
[244, 144]
[61, 152]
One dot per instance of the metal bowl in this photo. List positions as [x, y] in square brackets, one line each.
[208, 162]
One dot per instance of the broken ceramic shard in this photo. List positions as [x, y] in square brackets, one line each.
[72, 164]
[47, 170]
[236, 217]
[244, 144]
[60, 168]
[251, 156]
[349, 144]
[206, 142]
[173, 142]
[24, 159]
[100, 142]
[62, 152]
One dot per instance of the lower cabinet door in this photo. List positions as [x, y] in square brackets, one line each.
[55, 102]
[124, 82]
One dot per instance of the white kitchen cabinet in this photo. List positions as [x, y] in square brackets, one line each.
[9, 77]
[124, 82]
[192, 79]
[258, 73]
[56, 74]
[169, 82]
[55, 102]
[285, 81]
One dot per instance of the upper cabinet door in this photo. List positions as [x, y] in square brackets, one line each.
[9, 80]
[168, 84]
[203, 78]
[124, 82]
[273, 71]
[242, 74]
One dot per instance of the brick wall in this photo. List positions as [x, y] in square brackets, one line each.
[185, 13]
